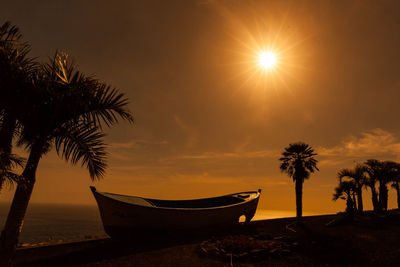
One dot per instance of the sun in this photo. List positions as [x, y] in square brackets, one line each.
[267, 60]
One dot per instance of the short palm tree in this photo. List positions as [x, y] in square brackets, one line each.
[357, 175]
[373, 170]
[346, 191]
[66, 112]
[384, 172]
[388, 175]
[298, 162]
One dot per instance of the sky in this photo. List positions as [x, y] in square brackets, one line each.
[208, 120]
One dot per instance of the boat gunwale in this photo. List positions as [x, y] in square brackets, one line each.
[258, 193]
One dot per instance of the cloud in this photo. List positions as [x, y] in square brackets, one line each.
[376, 143]
[149, 158]
[133, 143]
[238, 153]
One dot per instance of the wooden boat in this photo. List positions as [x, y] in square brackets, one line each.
[123, 214]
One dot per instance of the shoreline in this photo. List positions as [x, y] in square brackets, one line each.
[370, 239]
[367, 240]
[45, 250]
[32, 245]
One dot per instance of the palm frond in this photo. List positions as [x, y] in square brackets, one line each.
[13, 49]
[82, 142]
[8, 162]
[109, 104]
[9, 178]
[344, 189]
[11, 161]
[93, 101]
[298, 161]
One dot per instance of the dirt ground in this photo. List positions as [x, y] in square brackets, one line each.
[368, 240]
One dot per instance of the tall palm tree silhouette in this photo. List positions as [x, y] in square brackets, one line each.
[298, 162]
[357, 175]
[16, 69]
[67, 112]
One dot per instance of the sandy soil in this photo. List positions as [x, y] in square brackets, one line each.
[368, 240]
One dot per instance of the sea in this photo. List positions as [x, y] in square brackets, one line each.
[51, 223]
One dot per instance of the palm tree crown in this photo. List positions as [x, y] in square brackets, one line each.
[298, 161]
[71, 112]
[16, 69]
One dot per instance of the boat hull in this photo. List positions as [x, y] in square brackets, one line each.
[120, 218]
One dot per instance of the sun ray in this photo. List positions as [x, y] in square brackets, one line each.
[266, 52]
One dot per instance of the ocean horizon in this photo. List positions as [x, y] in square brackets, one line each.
[48, 223]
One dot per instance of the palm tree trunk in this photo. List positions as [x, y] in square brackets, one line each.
[349, 204]
[15, 218]
[353, 195]
[375, 201]
[397, 187]
[359, 199]
[299, 198]
[383, 196]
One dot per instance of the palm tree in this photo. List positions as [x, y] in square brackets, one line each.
[346, 190]
[383, 172]
[298, 162]
[389, 173]
[15, 72]
[395, 179]
[357, 175]
[373, 170]
[66, 112]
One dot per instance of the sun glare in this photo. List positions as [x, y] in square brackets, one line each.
[267, 60]
[266, 54]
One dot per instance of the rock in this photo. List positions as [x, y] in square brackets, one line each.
[243, 254]
[285, 251]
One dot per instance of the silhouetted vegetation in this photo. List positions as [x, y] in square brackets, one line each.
[298, 162]
[56, 106]
[371, 174]
[396, 186]
[346, 190]
[356, 180]
[16, 70]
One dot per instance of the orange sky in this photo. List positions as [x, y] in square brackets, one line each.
[207, 121]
